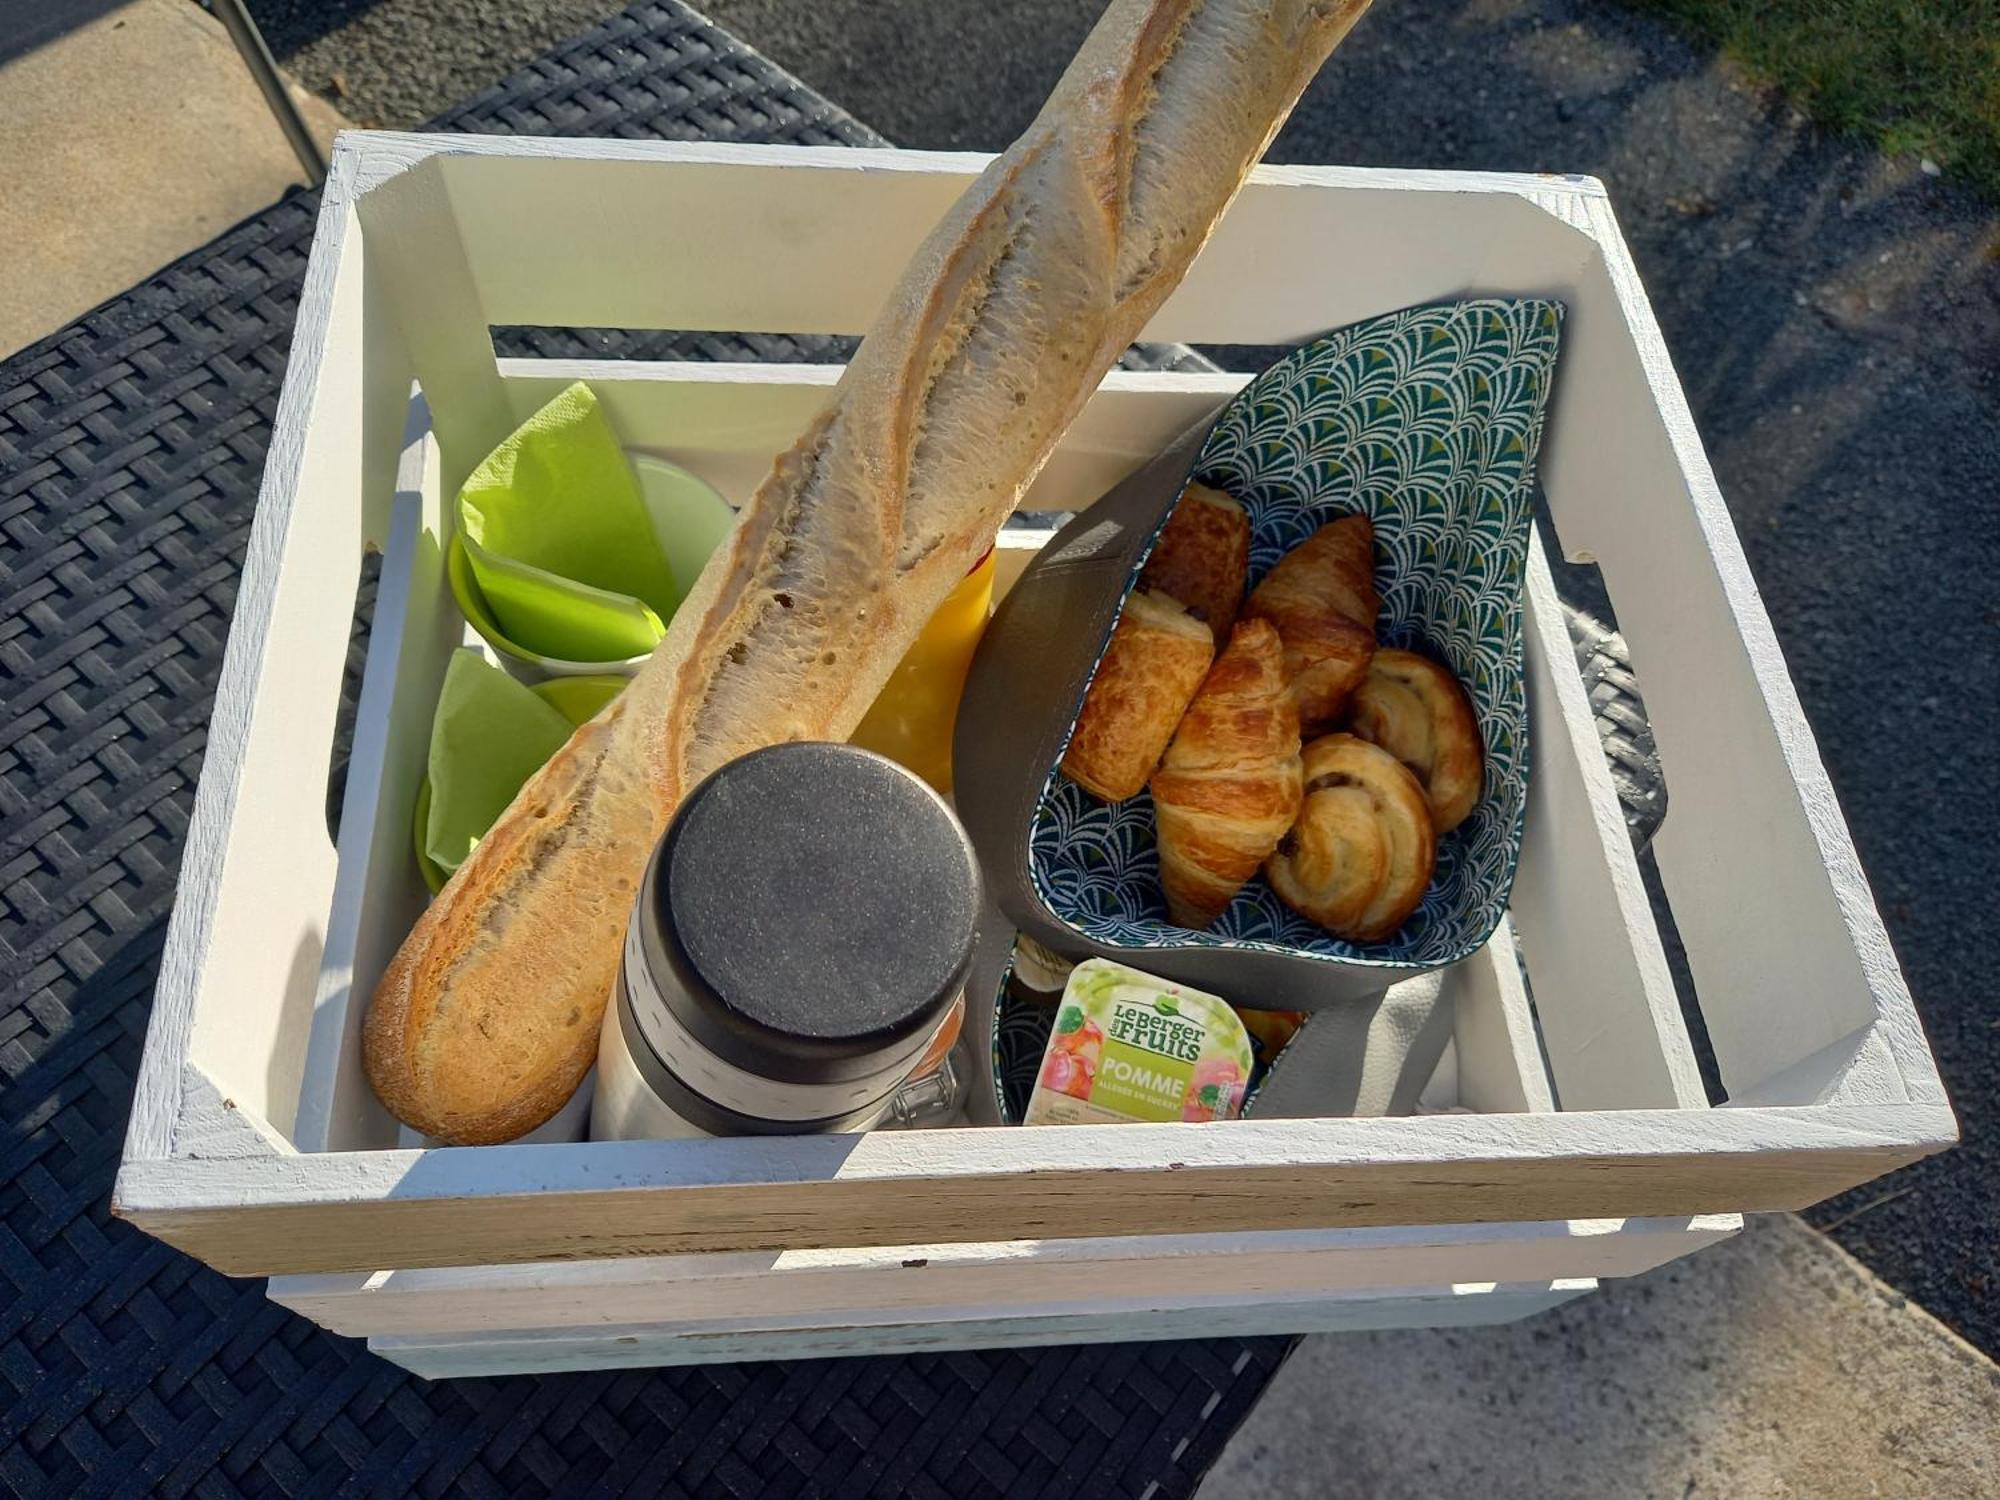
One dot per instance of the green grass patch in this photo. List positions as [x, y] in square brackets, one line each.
[1911, 75]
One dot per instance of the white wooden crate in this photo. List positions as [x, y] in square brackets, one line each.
[256, 1145]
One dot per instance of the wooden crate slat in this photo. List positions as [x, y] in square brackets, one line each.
[1787, 952]
[987, 1277]
[547, 1351]
[727, 421]
[356, 1211]
[1604, 996]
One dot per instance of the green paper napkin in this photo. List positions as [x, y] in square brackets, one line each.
[489, 735]
[560, 540]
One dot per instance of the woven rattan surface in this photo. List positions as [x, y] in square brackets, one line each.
[131, 445]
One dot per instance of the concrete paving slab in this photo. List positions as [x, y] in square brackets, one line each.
[1773, 1365]
[126, 142]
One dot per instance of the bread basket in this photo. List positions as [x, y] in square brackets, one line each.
[1428, 420]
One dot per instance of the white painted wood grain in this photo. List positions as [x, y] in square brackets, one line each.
[251, 894]
[726, 422]
[989, 1279]
[1603, 994]
[1464, 1306]
[1498, 1059]
[817, 235]
[359, 1211]
[156, 1102]
[378, 155]
[418, 244]
[378, 891]
[1858, 1068]
[211, 1127]
[1785, 947]
[891, 1156]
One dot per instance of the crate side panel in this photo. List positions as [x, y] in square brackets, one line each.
[359, 1211]
[419, 251]
[265, 889]
[1788, 957]
[1439, 1307]
[995, 1278]
[816, 246]
[1499, 1059]
[378, 893]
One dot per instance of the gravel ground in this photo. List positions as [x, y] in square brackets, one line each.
[395, 63]
[1835, 317]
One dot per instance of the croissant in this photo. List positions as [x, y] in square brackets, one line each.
[1321, 596]
[1417, 711]
[1229, 785]
[1203, 557]
[1156, 660]
[1362, 852]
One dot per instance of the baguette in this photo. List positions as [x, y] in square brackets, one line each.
[1001, 327]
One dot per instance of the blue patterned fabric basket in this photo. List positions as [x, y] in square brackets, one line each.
[1428, 421]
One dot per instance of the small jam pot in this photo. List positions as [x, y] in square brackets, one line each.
[796, 954]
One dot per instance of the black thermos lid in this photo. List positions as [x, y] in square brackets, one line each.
[814, 906]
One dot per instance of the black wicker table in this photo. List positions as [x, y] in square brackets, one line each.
[131, 445]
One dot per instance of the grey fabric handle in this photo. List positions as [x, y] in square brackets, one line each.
[1366, 1057]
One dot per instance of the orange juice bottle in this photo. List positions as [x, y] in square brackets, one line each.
[911, 721]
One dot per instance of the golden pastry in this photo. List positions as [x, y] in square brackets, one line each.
[1157, 658]
[1203, 557]
[1229, 785]
[1321, 596]
[1361, 855]
[1417, 710]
